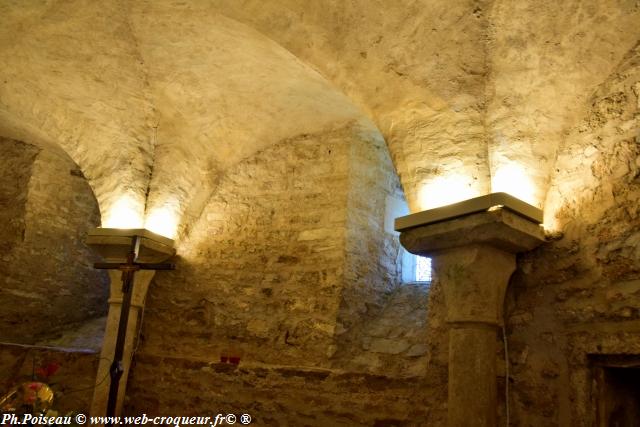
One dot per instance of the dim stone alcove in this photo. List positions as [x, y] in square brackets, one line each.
[48, 207]
[54, 302]
[615, 391]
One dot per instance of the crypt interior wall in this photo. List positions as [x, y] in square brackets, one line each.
[572, 297]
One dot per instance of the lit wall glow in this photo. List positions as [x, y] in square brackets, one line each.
[514, 180]
[163, 220]
[445, 190]
[126, 212]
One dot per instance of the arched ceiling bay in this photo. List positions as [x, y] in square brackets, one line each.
[417, 67]
[162, 96]
[71, 73]
[152, 100]
[471, 87]
[223, 91]
[547, 59]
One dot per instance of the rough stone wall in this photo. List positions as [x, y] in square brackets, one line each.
[579, 295]
[287, 263]
[48, 282]
[382, 323]
[71, 384]
[391, 339]
[371, 253]
[374, 387]
[16, 162]
[276, 395]
[263, 269]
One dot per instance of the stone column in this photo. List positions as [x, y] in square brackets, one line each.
[474, 280]
[473, 258]
[114, 245]
[103, 380]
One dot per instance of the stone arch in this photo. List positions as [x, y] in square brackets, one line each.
[307, 212]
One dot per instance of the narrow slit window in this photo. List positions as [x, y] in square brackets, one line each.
[423, 269]
[416, 269]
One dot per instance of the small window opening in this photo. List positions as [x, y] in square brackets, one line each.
[416, 268]
[423, 269]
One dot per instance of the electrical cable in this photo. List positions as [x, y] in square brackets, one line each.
[506, 379]
[141, 319]
[93, 386]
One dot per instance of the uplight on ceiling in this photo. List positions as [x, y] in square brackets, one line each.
[126, 212]
[445, 190]
[513, 179]
[163, 220]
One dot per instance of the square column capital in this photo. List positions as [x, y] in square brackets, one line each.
[114, 244]
[499, 228]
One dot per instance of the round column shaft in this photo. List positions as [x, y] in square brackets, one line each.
[474, 279]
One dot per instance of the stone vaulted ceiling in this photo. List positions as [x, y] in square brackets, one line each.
[155, 99]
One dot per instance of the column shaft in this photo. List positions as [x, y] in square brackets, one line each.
[103, 380]
[472, 376]
[474, 279]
